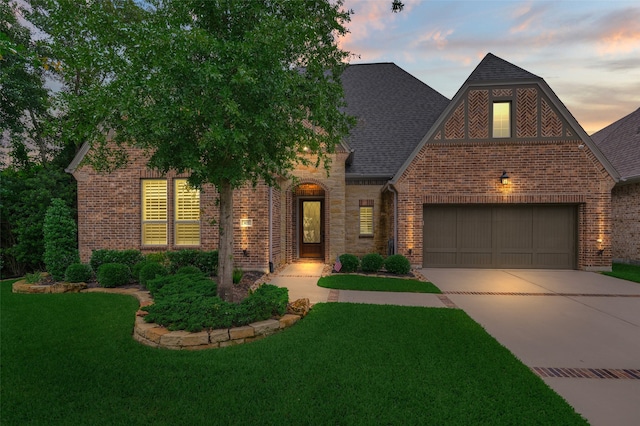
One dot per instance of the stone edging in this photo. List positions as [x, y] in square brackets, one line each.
[156, 336]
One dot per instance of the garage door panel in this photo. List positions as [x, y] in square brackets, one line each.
[516, 236]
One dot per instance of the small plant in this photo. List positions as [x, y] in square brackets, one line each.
[186, 270]
[60, 239]
[126, 257]
[349, 262]
[237, 275]
[78, 273]
[33, 278]
[113, 275]
[397, 264]
[372, 262]
[158, 257]
[150, 271]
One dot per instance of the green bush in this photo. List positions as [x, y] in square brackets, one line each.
[113, 274]
[158, 257]
[206, 261]
[126, 257]
[397, 264]
[237, 275]
[78, 273]
[25, 195]
[151, 271]
[60, 239]
[349, 262]
[371, 262]
[186, 270]
[135, 270]
[189, 302]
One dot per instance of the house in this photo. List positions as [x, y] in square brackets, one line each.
[502, 175]
[620, 142]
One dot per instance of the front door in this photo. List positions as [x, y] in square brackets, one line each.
[311, 237]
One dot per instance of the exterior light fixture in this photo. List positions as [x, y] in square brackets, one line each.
[504, 179]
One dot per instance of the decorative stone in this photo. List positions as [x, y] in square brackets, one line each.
[288, 320]
[219, 335]
[195, 339]
[265, 327]
[154, 334]
[241, 332]
[174, 338]
[299, 307]
[231, 343]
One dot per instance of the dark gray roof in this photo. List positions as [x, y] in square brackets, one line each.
[620, 143]
[394, 110]
[492, 68]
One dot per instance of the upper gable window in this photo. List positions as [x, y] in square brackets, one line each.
[502, 119]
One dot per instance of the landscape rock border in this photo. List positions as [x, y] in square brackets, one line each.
[154, 335]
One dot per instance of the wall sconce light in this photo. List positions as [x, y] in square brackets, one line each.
[600, 249]
[410, 252]
[504, 179]
[245, 252]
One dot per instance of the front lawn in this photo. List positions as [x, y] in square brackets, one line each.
[70, 359]
[626, 272]
[361, 282]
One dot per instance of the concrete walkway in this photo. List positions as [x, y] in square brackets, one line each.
[301, 279]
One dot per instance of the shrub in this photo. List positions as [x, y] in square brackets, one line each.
[372, 262]
[126, 257]
[113, 274]
[33, 278]
[180, 258]
[397, 264]
[158, 257]
[135, 270]
[185, 270]
[151, 271]
[60, 239]
[189, 302]
[78, 273]
[207, 262]
[349, 262]
[237, 275]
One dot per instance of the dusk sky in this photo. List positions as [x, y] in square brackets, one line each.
[588, 52]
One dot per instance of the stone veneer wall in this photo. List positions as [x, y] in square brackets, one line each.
[625, 202]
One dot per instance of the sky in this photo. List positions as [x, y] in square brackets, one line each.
[588, 52]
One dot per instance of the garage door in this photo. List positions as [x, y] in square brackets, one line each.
[519, 236]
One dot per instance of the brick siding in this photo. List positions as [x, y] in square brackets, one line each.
[625, 217]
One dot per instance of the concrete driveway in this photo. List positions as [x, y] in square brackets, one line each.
[561, 323]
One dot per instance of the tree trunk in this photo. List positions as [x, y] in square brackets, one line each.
[225, 250]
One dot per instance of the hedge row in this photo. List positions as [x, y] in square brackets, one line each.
[373, 262]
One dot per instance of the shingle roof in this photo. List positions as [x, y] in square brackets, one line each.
[492, 68]
[394, 111]
[620, 143]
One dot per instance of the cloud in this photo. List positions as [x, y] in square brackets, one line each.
[526, 15]
[620, 32]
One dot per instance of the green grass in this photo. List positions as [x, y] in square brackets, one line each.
[360, 282]
[70, 359]
[626, 272]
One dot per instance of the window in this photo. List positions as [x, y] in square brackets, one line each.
[502, 119]
[366, 217]
[154, 212]
[187, 214]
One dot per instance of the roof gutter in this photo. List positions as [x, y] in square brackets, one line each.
[629, 180]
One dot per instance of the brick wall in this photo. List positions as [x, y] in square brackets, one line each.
[546, 160]
[625, 205]
[109, 214]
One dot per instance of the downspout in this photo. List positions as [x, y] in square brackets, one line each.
[271, 268]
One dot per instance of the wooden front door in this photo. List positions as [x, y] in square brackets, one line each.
[311, 229]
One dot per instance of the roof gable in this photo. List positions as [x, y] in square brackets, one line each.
[620, 143]
[539, 113]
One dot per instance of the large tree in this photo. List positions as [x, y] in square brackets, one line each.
[232, 92]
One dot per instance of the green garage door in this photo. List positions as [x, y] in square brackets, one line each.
[518, 236]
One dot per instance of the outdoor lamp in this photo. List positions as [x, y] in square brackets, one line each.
[504, 178]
